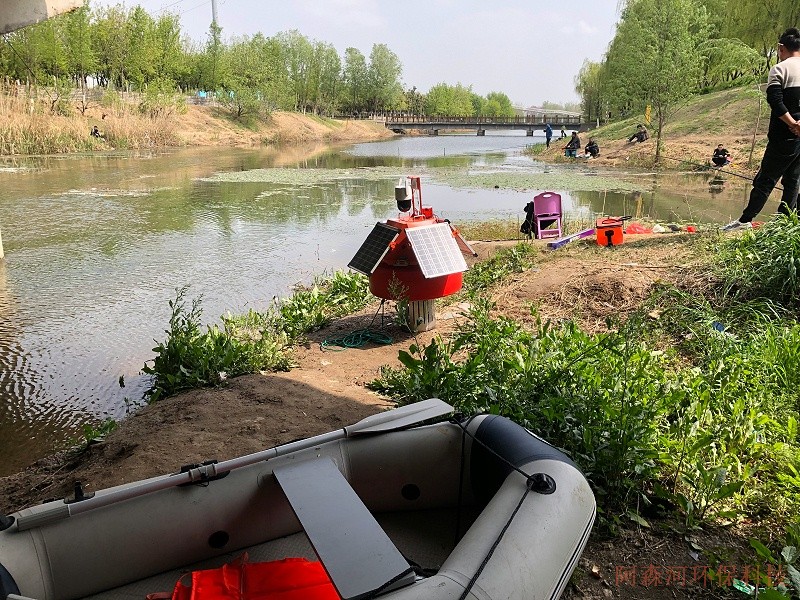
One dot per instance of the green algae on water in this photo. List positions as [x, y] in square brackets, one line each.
[573, 181]
[458, 178]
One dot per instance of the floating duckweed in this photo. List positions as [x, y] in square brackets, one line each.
[460, 178]
[304, 177]
[559, 180]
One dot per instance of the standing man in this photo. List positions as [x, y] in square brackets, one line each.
[548, 134]
[782, 155]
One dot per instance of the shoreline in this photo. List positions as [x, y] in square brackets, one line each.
[45, 134]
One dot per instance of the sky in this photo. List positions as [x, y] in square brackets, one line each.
[531, 50]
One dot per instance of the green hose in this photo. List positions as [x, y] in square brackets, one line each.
[355, 339]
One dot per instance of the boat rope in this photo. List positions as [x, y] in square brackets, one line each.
[396, 578]
[494, 545]
[355, 339]
[531, 483]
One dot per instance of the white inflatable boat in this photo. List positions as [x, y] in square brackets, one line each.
[480, 509]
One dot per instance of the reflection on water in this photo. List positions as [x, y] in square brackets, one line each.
[97, 245]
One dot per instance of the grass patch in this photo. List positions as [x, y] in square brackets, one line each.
[192, 356]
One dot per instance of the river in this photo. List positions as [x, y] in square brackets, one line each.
[96, 246]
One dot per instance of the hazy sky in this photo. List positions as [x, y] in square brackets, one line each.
[529, 49]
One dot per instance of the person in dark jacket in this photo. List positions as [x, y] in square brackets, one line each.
[782, 156]
[721, 156]
[640, 135]
[573, 145]
[592, 149]
[548, 134]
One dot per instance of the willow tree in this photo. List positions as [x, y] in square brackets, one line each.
[655, 55]
[588, 85]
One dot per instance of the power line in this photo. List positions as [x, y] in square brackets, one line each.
[206, 3]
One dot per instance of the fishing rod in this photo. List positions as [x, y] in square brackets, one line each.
[707, 167]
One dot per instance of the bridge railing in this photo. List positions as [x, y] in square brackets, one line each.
[529, 120]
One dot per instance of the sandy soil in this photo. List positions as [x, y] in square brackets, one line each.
[207, 126]
[326, 391]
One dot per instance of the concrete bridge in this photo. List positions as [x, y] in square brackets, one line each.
[433, 124]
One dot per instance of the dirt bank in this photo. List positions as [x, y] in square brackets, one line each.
[206, 126]
[679, 152]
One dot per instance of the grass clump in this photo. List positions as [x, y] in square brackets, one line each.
[483, 275]
[764, 263]
[192, 356]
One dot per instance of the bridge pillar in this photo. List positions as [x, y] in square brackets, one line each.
[481, 132]
[434, 132]
[530, 132]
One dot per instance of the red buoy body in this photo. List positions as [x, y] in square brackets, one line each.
[399, 276]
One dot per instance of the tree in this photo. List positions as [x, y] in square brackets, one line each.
[446, 100]
[297, 52]
[111, 45]
[254, 77]
[415, 102]
[81, 57]
[588, 85]
[325, 72]
[354, 77]
[385, 92]
[726, 61]
[169, 59]
[498, 105]
[211, 68]
[655, 55]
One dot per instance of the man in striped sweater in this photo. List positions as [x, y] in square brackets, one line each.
[782, 155]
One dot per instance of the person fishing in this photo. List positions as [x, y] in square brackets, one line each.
[639, 135]
[721, 156]
[782, 156]
[573, 145]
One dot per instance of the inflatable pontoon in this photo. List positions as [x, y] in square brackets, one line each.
[479, 509]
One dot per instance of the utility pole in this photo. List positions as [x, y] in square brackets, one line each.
[214, 19]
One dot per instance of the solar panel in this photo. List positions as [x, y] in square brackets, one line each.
[436, 250]
[374, 248]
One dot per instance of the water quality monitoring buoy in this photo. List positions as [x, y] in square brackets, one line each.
[414, 258]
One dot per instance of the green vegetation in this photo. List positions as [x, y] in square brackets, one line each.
[665, 51]
[689, 407]
[93, 435]
[249, 76]
[192, 357]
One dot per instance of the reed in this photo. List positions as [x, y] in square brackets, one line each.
[28, 127]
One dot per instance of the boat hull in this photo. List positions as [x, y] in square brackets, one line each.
[446, 502]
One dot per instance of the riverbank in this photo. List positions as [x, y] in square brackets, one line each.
[736, 118]
[327, 391]
[205, 126]
[28, 127]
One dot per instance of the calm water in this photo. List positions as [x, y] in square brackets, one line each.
[97, 245]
